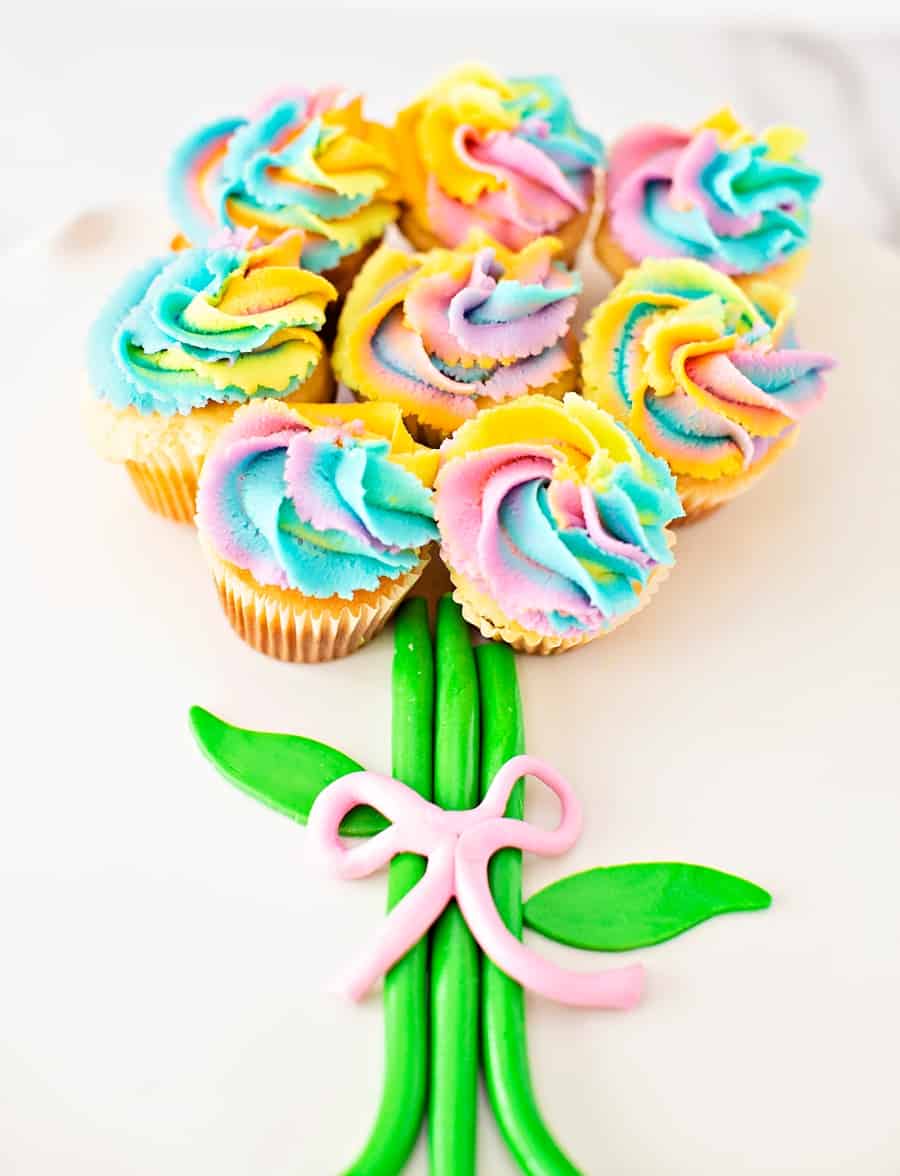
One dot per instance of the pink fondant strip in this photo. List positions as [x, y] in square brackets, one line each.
[458, 846]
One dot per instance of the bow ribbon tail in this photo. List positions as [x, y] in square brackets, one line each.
[405, 925]
[617, 988]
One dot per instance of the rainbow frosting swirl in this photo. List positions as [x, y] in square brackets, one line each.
[307, 161]
[447, 332]
[553, 514]
[506, 156]
[717, 193]
[691, 363]
[325, 499]
[210, 325]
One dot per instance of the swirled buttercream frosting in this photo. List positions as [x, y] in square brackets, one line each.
[447, 332]
[325, 499]
[302, 160]
[717, 193]
[219, 324]
[504, 155]
[554, 512]
[691, 362]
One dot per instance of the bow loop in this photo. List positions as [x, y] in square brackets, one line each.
[523, 834]
[458, 846]
[403, 807]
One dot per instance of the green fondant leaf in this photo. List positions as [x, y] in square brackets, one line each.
[616, 908]
[286, 772]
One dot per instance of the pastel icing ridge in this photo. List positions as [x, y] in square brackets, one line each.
[717, 194]
[695, 366]
[447, 332]
[210, 325]
[323, 510]
[303, 160]
[555, 512]
[505, 155]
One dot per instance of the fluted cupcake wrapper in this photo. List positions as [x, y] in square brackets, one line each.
[483, 612]
[164, 454]
[167, 483]
[701, 496]
[291, 627]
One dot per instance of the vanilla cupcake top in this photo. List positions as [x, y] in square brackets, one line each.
[301, 160]
[692, 363]
[327, 499]
[717, 193]
[504, 155]
[210, 325]
[555, 512]
[447, 332]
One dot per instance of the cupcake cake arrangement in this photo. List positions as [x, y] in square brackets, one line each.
[354, 368]
[470, 424]
[474, 427]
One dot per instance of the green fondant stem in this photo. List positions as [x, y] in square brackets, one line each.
[406, 984]
[452, 1122]
[504, 1040]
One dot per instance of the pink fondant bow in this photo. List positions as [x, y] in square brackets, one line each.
[458, 846]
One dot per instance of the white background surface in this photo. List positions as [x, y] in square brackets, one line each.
[166, 949]
[94, 95]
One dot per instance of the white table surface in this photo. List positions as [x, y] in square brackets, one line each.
[166, 948]
[94, 96]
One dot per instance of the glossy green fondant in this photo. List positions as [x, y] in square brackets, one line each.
[503, 1030]
[616, 908]
[286, 772]
[452, 1121]
[405, 1083]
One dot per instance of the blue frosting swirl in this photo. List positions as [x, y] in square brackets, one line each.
[162, 344]
[571, 146]
[716, 194]
[270, 171]
[325, 518]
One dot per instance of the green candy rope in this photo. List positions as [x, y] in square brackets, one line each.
[504, 1040]
[455, 956]
[406, 985]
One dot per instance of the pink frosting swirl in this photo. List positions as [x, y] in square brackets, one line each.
[503, 155]
[534, 197]
[444, 333]
[717, 193]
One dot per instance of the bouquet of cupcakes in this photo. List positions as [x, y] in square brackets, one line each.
[336, 402]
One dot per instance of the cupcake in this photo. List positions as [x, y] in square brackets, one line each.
[307, 161]
[718, 194]
[553, 522]
[503, 155]
[448, 332]
[316, 520]
[691, 363]
[186, 339]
